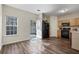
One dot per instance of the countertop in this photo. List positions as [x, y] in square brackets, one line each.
[74, 31]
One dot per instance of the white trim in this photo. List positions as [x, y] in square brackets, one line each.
[0, 47]
[16, 41]
[11, 25]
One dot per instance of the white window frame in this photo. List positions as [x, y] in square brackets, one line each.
[10, 25]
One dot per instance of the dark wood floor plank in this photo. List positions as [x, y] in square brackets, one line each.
[44, 46]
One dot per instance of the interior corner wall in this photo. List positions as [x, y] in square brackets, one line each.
[39, 26]
[23, 24]
[0, 26]
[53, 26]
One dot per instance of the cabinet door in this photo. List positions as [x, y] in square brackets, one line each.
[77, 21]
[58, 34]
[72, 22]
[65, 21]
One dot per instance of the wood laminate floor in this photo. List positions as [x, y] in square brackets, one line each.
[38, 46]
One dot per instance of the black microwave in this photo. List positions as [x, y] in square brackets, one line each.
[65, 24]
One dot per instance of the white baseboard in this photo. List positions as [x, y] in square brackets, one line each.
[0, 48]
[14, 42]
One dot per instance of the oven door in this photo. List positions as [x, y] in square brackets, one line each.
[65, 34]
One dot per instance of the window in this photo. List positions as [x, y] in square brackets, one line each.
[11, 25]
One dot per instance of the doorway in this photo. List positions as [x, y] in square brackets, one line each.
[33, 28]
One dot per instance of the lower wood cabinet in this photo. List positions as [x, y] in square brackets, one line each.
[59, 34]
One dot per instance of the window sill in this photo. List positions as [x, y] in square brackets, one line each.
[11, 35]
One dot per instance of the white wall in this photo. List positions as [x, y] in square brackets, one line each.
[53, 26]
[39, 26]
[0, 26]
[23, 22]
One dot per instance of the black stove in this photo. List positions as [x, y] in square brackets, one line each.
[65, 30]
[65, 33]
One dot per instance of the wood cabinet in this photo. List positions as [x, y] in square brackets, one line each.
[65, 21]
[77, 21]
[58, 34]
[62, 21]
[72, 22]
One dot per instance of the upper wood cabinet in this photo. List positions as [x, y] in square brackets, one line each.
[77, 21]
[72, 22]
[62, 21]
[65, 21]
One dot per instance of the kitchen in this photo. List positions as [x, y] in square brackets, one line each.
[68, 29]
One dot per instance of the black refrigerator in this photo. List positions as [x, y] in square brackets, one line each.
[45, 29]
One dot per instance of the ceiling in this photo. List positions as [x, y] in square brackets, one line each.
[48, 9]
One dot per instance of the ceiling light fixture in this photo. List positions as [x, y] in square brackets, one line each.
[63, 10]
[38, 10]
